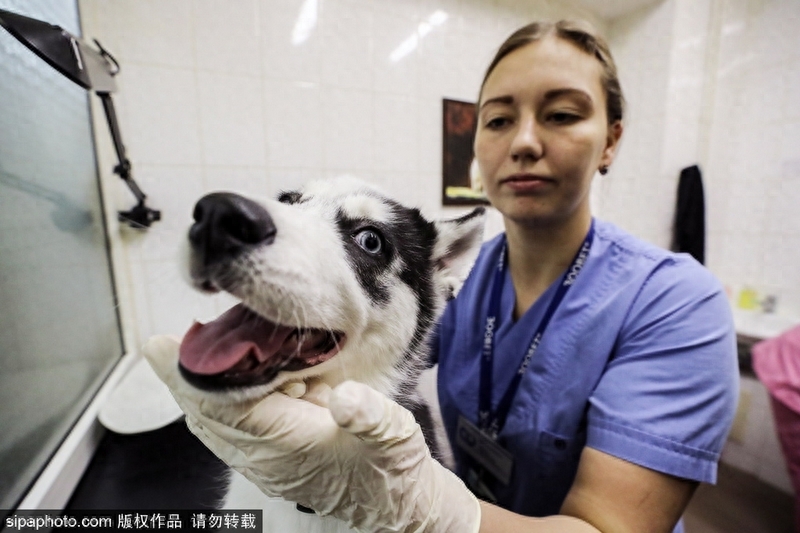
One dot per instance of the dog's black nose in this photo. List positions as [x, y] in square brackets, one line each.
[226, 223]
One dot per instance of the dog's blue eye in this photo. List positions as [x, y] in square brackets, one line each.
[370, 241]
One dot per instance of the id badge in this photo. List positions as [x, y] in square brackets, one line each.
[487, 454]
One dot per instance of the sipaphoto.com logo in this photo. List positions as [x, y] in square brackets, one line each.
[47, 522]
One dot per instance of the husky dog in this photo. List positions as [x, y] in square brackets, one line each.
[336, 282]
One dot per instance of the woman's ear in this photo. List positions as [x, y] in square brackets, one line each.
[612, 143]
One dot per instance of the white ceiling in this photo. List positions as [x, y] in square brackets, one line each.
[610, 9]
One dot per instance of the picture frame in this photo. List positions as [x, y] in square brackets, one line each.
[459, 119]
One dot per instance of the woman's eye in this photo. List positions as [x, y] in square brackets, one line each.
[370, 241]
[563, 118]
[497, 123]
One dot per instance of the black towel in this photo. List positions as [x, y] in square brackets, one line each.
[689, 228]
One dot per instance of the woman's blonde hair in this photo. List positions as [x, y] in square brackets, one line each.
[584, 36]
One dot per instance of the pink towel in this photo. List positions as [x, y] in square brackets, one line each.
[776, 362]
[787, 422]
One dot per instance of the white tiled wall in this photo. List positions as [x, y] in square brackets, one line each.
[635, 193]
[714, 83]
[754, 153]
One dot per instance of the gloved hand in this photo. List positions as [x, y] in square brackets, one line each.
[350, 452]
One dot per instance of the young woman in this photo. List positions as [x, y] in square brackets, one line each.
[587, 379]
[610, 377]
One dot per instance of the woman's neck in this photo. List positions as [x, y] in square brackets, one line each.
[538, 255]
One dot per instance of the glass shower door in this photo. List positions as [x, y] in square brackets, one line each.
[59, 327]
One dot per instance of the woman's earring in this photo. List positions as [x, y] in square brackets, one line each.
[604, 170]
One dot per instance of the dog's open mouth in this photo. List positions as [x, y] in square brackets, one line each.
[241, 348]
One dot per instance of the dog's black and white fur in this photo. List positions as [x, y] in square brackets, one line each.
[359, 280]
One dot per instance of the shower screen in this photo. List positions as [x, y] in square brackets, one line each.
[59, 328]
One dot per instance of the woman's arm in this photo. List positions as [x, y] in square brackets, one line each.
[609, 495]
[496, 519]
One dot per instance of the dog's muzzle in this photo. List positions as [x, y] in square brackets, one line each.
[225, 224]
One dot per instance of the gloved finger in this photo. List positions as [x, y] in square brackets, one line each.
[265, 463]
[318, 393]
[228, 453]
[371, 416]
[161, 352]
[294, 389]
[287, 422]
[221, 447]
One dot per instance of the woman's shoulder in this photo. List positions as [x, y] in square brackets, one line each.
[651, 259]
[622, 241]
[653, 280]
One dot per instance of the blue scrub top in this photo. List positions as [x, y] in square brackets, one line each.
[639, 361]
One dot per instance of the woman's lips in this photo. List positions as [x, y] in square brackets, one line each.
[526, 182]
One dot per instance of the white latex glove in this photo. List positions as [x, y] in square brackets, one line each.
[350, 452]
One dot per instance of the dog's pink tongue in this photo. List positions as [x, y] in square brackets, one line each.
[220, 345]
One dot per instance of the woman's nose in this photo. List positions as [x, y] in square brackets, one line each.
[527, 144]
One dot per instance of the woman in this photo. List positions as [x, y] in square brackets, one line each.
[625, 403]
[624, 352]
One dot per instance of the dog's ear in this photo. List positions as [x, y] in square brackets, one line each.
[457, 245]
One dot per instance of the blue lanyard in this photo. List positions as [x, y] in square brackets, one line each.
[492, 422]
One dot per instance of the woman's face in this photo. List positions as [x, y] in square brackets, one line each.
[543, 132]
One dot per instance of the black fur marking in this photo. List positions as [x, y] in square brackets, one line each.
[422, 414]
[478, 211]
[289, 197]
[416, 249]
[368, 267]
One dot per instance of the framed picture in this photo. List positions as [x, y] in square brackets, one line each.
[458, 135]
